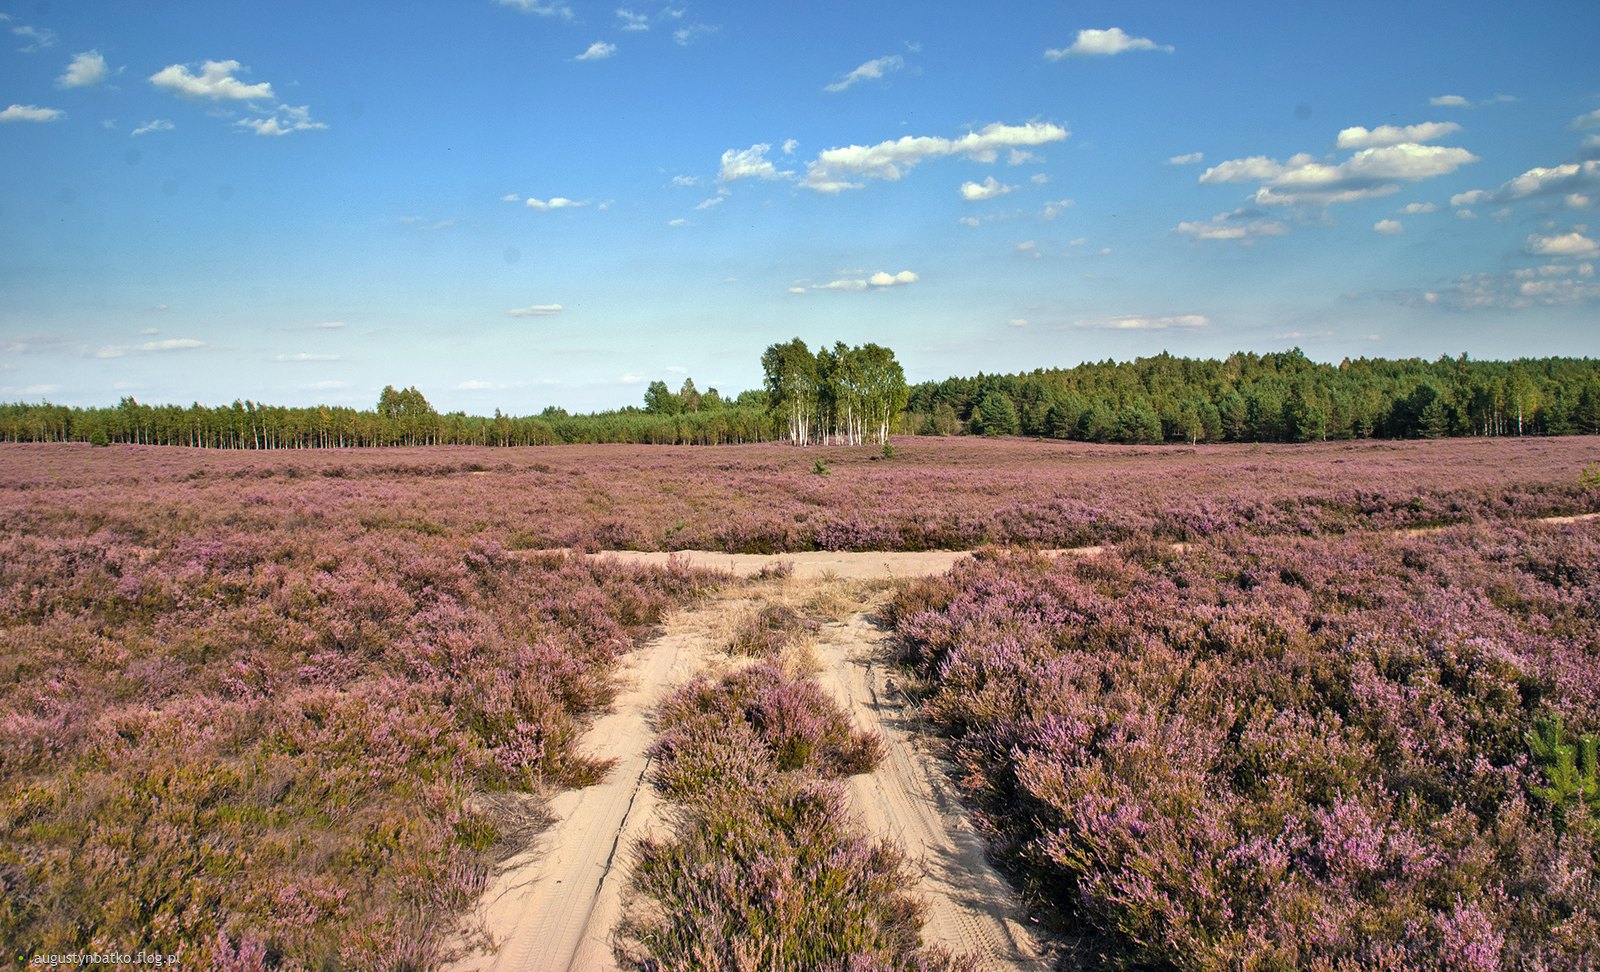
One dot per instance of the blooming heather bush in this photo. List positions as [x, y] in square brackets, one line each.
[254, 723]
[1279, 753]
[767, 871]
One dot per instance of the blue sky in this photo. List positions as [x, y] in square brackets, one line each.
[518, 203]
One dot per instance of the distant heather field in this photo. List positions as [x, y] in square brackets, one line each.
[934, 493]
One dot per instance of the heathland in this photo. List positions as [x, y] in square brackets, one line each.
[1319, 706]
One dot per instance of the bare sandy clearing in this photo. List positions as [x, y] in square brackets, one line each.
[817, 564]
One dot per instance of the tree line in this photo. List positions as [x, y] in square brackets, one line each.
[1278, 397]
[851, 395]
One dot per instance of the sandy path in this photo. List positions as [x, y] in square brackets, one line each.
[909, 799]
[818, 564]
[554, 906]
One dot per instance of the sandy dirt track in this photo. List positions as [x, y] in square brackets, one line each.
[554, 906]
[910, 800]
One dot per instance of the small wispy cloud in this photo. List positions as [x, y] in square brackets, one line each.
[1190, 158]
[1389, 227]
[536, 310]
[598, 51]
[155, 125]
[1134, 322]
[555, 202]
[882, 280]
[542, 8]
[306, 356]
[870, 71]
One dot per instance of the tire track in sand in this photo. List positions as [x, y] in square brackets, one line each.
[970, 907]
[554, 907]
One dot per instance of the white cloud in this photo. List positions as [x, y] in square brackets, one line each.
[631, 379]
[1139, 323]
[598, 51]
[1413, 209]
[682, 181]
[789, 145]
[836, 169]
[1359, 137]
[630, 20]
[1456, 101]
[1191, 158]
[215, 82]
[537, 310]
[331, 325]
[1018, 322]
[1369, 173]
[1100, 43]
[511, 197]
[156, 125]
[970, 221]
[38, 38]
[31, 113]
[284, 120]
[1538, 181]
[870, 71]
[1389, 227]
[880, 280]
[1241, 224]
[473, 384]
[1056, 208]
[543, 9]
[306, 356]
[712, 203]
[1572, 244]
[677, 223]
[86, 70]
[1589, 120]
[1509, 291]
[750, 163]
[166, 344]
[988, 189]
[555, 202]
[685, 36]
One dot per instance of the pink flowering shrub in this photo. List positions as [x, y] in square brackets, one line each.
[1280, 753]
[257, 722]
[766, 869]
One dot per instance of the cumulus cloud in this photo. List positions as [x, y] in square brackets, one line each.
[284, 120]
[1359, 137]
[555, 202]
[1368, 173]
[1101, 43]
[85, 71]
[1590, 120]
[1559, 180]
[988, 189]
[1389, 227]
[31, 113]
[156, 125]
[1548, 286]
[750, 163]
[1413, 209]
[870, 71]
[1573, 244]
[598, 51]
[837, 169]
[537, 310]
[1142, 323]
[881, 280]
[215, 82]
[1241, 224]
[1191, 158]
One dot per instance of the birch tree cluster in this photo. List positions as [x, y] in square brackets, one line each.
[841, 395]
